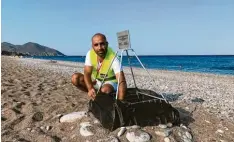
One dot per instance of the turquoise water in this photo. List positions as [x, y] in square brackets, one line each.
[216, 64]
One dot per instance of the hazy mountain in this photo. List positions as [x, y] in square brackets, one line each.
[30, 48]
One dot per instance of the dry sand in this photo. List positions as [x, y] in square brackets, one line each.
[32, 87]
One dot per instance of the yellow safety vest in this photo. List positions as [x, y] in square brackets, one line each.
[100, 74]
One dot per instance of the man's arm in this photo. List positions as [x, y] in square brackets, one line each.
[87, 77]
[122, 85]
[88, 81]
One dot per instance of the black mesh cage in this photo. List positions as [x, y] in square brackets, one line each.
[139, 107]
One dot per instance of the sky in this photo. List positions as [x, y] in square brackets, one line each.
[157, 27]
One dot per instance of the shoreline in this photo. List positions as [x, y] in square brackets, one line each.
[36, 85]
[152, 69]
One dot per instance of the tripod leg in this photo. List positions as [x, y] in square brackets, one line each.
[119, 76]
[131, 69]
[147, 72]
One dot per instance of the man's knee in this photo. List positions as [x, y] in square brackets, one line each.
[107, 88]
[76, 78]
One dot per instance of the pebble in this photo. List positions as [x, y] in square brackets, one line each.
[219, 131]
[121, 132]
[188, 135]
[183, 126]
[85, 129]
[32, 131]
[179, 134]
[165, 133]
[207, 121]
[48, 128]
[71, 117]
[96, 121]
[133, 127]
[73, 136]
[42, 127]
[226, 128]
[58, 115]
[166, 139]
[29, 129]
[169, 125]
[109, 139]
[143, 137]
[187, 140]
[38, 116]
[162, 126]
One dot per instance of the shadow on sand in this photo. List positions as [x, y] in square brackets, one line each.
[185, 116]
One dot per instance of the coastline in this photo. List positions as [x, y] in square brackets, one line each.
[45, 86]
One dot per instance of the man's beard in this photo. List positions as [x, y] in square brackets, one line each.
[102, 54]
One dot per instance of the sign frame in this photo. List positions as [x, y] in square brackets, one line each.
[123, 38]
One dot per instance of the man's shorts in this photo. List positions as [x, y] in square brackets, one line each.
[98, 84]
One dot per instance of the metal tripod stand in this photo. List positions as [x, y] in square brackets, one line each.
[129, 62]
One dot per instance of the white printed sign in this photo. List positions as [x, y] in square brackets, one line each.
[123, 39]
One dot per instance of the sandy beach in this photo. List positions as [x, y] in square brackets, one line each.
[36, 93]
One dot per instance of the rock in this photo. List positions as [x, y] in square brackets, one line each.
[220, 131]
[166, 139]
[109, 139]
[183, 126]
[32, 130]
[162, 126]
[48, 128]
[58, 115]
[179, 134]
[38, 116]
[207, 121]
[165, 133]
[133, 127]
[169, 125]
[188, 135]
[86, 129]
[71, 117]
[96, 121]
[42, 127]
[187, 140]
[29, 129]
[121, 132]
[226, 128]
[73, 136]
[143, 137]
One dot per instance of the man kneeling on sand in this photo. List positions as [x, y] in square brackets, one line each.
[97, 62]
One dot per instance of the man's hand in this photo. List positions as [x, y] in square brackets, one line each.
[92, 93]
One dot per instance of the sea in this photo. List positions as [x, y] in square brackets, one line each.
[214, 64]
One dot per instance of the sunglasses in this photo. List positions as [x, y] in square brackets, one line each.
[101, 44]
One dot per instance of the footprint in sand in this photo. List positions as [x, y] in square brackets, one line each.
[27, 93]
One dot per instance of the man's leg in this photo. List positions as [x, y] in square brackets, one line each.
[78, 81]
[107, 88]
